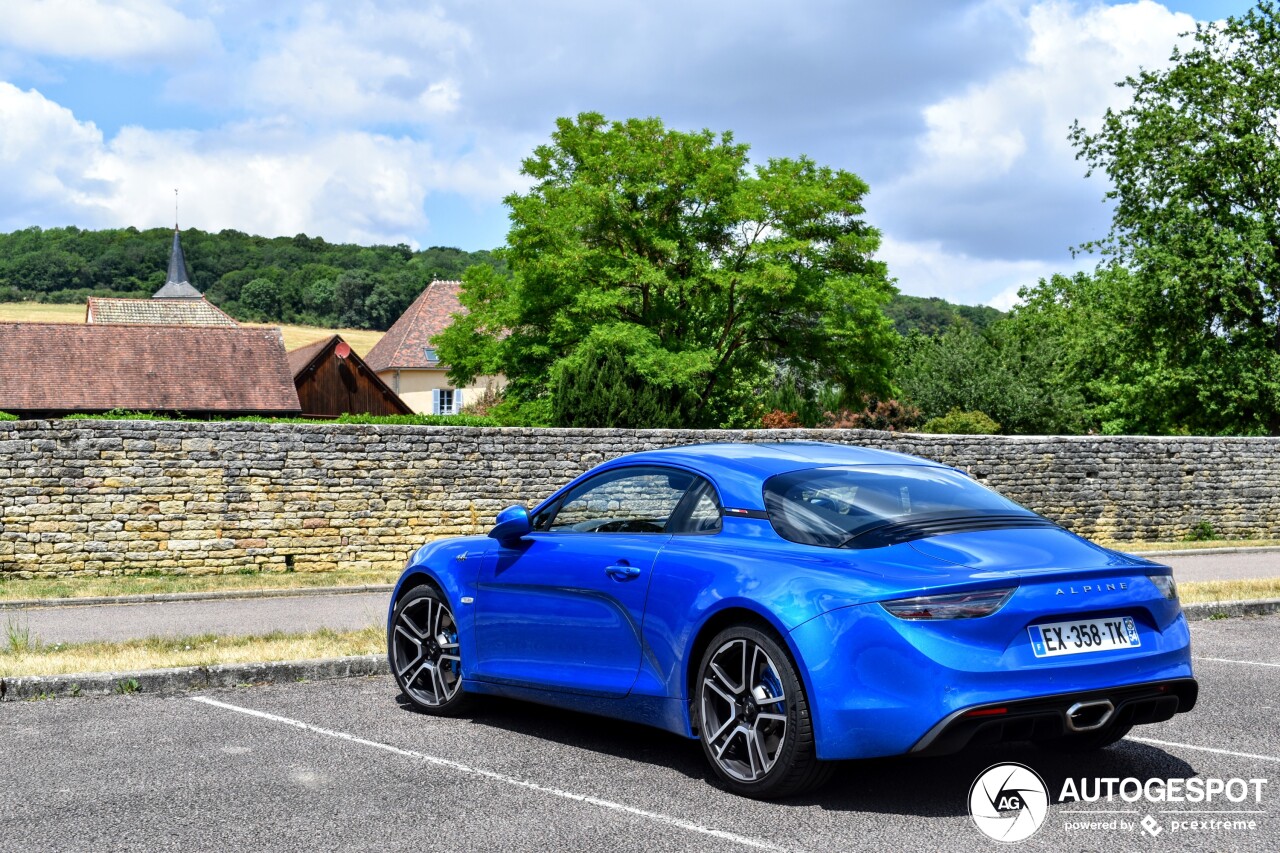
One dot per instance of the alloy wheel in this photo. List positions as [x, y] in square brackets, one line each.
[744, 710]
[425, 654]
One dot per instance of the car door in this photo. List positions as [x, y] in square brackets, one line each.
[562, 608]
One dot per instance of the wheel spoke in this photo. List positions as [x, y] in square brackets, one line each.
[405, 620]
[400, 671]
[433, 622]
[725, 696]
[725, 680]
[760, 751]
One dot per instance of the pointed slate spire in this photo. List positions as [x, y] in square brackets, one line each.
[176, 285]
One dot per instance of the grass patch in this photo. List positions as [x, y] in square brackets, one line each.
[12, 589]
[202, 650]
[1188, 545]
[1205, 592]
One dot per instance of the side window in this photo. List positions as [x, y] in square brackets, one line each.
[704, 517]
[700, 512]
[625, 500]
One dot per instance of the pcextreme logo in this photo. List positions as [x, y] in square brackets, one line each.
[1008, 802]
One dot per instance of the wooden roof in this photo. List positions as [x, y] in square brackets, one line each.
[163, 312]
[65, 367]
[405, 345]
[317, 364]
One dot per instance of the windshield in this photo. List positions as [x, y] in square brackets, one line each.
[873, 505]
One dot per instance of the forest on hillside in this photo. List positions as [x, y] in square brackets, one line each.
[301, 279]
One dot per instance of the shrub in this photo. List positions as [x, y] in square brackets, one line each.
[5, 416]
[887, 415]
[778, 419]
[1201, 531]
[599, 387]
[957, 422]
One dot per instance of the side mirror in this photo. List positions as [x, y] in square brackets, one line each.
[513, 522]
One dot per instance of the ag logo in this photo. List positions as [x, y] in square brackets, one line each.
[1008, 802]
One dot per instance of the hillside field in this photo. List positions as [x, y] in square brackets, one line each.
[361, 340]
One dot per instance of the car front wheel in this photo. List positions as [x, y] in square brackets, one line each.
[425, 654]
[753, 717]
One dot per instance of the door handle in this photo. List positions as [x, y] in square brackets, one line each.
[622, 571]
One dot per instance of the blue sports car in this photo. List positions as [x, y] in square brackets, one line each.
[792, 604]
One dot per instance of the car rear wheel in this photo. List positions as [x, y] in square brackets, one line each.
[425, 655]
[1085, 741]
[753, 717]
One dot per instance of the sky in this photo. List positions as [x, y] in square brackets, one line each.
[389, 121]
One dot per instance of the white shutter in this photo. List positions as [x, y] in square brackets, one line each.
[457, 401]
[435, 401]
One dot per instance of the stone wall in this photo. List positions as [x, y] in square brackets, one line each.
[136, 496]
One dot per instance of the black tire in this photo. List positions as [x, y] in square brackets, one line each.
[426, 660]
[754, 723]
[1085, 741]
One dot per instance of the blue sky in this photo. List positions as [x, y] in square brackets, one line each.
[397, 121]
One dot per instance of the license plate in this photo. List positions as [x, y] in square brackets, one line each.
[1088, 635]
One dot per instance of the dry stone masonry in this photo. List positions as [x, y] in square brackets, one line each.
[127, 497]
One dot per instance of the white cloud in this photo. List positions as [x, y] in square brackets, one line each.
[265, 178]
[362, 61]
[926, 268]
[994, 173]
[45, 159]
[1072, 62]
[113, 30]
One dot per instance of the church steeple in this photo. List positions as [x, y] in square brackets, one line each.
[176, 284]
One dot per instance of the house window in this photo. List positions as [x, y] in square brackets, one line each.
[430, 355]
[446, 401]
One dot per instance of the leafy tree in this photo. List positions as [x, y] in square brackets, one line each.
[262, 297]
[1194, 162]
[1084, 327]
[708, 271]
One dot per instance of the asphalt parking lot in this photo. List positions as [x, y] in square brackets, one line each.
[343, 765]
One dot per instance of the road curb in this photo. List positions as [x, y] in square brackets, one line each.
[190, 678]
[32, 603]
[1222, 609]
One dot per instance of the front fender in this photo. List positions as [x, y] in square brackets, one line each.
[452, 566]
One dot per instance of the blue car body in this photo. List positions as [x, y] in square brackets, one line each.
[549, 618]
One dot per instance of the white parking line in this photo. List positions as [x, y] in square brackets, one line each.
[1203, 748]
[746, 841]
[1228, 660]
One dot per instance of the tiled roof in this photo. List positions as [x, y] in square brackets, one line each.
[164, 312]
[64, 367]
[405, 345]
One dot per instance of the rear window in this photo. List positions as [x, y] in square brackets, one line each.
[861, 506]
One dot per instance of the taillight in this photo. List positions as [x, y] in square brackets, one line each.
[1166, 585]
[956, 605]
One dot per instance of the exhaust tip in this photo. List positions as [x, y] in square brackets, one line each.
[1089, 716]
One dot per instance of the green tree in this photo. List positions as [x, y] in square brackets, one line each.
[262, 297]
[1010, 375]
[597, 387]
[1194, 163]
[710, 271]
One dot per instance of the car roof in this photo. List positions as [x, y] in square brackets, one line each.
[740, 469]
